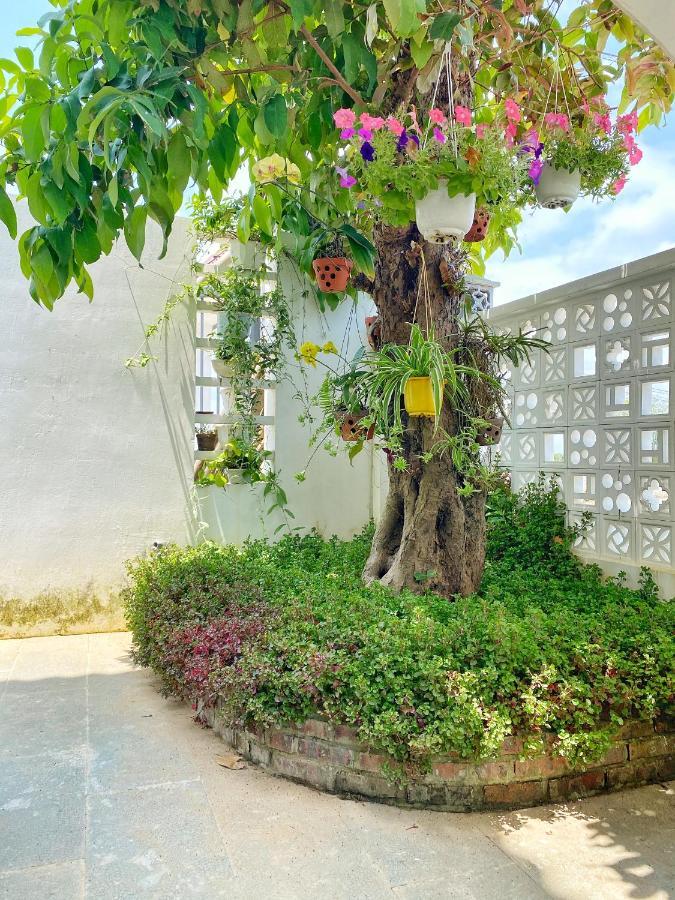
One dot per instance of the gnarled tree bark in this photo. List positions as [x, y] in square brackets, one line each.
[429, 537]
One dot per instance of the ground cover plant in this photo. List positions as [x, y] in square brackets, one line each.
[548, 646]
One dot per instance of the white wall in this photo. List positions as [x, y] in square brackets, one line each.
[336, 497]
[95, 459]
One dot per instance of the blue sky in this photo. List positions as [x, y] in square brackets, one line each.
[556, 247]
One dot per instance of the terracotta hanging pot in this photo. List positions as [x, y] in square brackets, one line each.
[332, 273]
[478, 230]
[350, 430]
[374, 331]
[492, 434]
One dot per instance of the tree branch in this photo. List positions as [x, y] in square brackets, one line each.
[330, 65]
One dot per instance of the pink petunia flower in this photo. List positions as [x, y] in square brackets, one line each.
[394, 126]
[481, 131]
[634, 156]
[371, 123]
[347, 133]
[628, 123]
[347, 181]
[439, 136]
[619, 184]
[462, 115]
[511, 132]
[603, 122]
[344, 118]
[629, 142]
[512, 110]
[557, 120]
[437, 116]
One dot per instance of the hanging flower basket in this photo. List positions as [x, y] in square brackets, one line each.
[207, 440]
[222, 367]
[350, 430]
[440, 218]
[492, 434]
[418, 396]
[557, 188]
[478, 230]
[332, 273]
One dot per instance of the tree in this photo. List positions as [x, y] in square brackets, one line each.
[128, 101]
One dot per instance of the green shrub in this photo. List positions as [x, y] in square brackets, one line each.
[548, 646]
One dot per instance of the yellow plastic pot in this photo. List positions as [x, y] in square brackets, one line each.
[418, 396]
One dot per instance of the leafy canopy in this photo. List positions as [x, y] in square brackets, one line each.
[124, 103]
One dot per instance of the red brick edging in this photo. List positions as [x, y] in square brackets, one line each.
[330, 758]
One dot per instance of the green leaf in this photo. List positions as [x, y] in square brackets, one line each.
[180, 162]
[86, 243]
[134, 230]
[263, 216]
[299, 10]
[223, 153]
[402, 15]
[33, 129]
[25, 57]
[275, 114]
[335, 19]
[7, 212]
[443, 26]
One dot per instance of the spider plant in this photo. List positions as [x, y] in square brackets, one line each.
[394, 365]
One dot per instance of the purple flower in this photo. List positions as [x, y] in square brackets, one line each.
[402, 140]
[439, 136]
[535, 170]
[341, 171]
[361, 204]
[365, 133]
[367, 151]
[347, 133]
[347, 181]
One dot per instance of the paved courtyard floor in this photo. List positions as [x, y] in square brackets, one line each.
[109, 791]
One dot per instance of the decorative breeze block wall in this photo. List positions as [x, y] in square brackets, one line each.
[598, 409]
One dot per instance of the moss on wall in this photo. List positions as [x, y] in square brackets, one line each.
[63, 612]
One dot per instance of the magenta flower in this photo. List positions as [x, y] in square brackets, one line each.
[603, 121]
[619, 184]
[535, 170]
[634, 155]
[347, 133]
[439, 136]
[462, 115]
[557, 120]
[629, 142]
[372, 123]
[481, 131]
[510, 132]
[512, 110]
[347, 181]
[394, 126]
[437, 116]
[365, 133]
[628, 123]
[344, 118]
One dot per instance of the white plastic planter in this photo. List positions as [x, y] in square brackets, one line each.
[557, 188]
[249, 256]
[222, 367]
[235, 476]
[440, 217]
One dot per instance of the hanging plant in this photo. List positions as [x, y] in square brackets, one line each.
[332, 268]
[479, 227]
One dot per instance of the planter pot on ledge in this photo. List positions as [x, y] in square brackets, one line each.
[207, 440]
[557, 188]
[440, 218]
[222, 367]
[235, 476]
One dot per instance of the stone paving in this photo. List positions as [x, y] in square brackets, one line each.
[109, 791]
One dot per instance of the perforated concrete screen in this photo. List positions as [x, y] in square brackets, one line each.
[598, 409]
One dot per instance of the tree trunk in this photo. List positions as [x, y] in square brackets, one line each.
[430, 536]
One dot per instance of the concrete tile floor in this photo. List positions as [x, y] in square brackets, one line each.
[109, 791]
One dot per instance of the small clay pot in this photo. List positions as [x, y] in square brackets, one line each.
[374, 331]
[350, 429]
[207, 440]
[332, 273]
[492, 434]
[479, 227]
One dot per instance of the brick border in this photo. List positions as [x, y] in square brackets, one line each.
[330, 758]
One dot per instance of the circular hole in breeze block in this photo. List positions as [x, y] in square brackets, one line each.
[326, 268]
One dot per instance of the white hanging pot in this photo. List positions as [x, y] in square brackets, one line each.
[249, 256]
[235, 476]
[222, 367]
[440, 217]
[557, 188]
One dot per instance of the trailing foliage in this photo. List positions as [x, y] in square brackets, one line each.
[280, 632]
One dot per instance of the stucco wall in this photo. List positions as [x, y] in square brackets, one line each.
[96, 459]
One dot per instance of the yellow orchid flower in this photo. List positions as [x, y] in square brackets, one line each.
[273, 167]
[307, 353]
[329, 347]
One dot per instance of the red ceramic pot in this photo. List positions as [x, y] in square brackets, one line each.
[479, 228]
[350, 429]
[332, 273]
